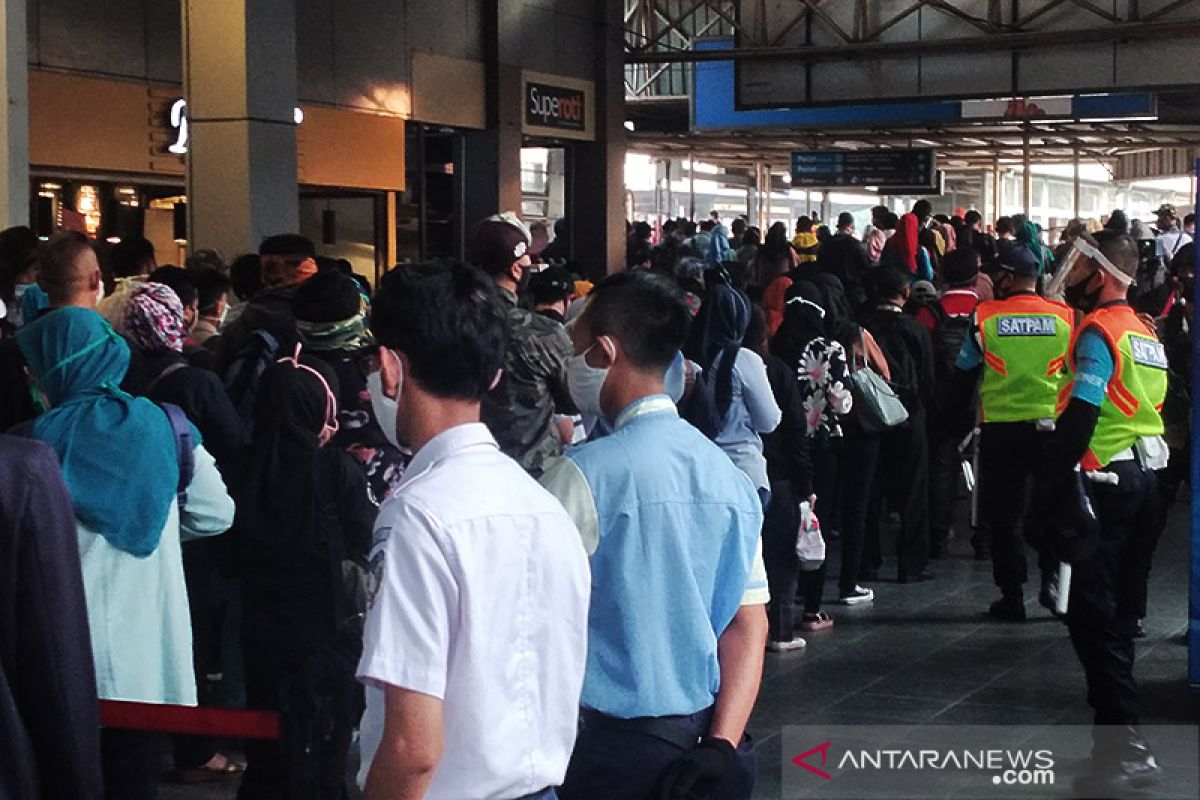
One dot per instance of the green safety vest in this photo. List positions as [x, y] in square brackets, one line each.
[1136, 390]
[1025, 340]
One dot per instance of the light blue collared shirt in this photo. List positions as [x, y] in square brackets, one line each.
[672, 527]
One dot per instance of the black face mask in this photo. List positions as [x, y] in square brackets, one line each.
[1079, 297]
[523, 283]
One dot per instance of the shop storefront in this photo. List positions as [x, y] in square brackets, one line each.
[107, 159]
[558, 112]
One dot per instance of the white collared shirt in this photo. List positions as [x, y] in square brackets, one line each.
[482, 603]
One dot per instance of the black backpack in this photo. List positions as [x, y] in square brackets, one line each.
[699, 406]
[241, 381]
[948, 338]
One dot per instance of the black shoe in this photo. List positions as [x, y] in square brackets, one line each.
[915, 577]
[1125, 773]
[1048, 596]
[982, 547]
[1009, 608]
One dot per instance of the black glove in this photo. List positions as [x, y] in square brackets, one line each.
[698, 773]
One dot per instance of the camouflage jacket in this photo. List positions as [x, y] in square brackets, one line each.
[520, 410]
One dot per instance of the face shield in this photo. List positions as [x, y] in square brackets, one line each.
[1077, 263]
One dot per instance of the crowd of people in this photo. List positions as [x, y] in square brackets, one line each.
[532, 537]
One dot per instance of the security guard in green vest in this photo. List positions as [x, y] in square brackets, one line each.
[1100, 469]
[1020, 343]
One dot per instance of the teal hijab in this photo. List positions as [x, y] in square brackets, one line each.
[1027, 234]
[117, 451]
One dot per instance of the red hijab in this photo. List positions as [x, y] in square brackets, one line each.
[904, 242]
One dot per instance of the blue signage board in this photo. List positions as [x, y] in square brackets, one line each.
[883, 169]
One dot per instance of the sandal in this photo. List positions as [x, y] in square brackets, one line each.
[816, 622]
[218, 768]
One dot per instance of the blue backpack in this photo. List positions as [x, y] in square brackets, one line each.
[185, 444]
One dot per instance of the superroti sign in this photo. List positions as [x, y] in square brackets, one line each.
[556, 106]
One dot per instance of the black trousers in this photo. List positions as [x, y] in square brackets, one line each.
[1107, 588]
[297, 663]
[945, 466]
[827, 484]
[1009, 456]
[902, 482]
[781, 520]
[627, 759]
[858, 463]
[132, 763]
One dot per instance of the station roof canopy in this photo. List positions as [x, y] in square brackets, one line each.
[814, 54]
[959, 146]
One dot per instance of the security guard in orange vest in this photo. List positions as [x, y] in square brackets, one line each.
[1020, 343]
[1111, 432]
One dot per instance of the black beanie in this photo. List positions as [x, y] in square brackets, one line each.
[328, 296]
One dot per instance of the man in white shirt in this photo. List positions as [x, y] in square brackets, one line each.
[1170, 238]
[474, 646]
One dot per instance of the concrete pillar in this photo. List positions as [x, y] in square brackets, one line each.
[492, 157]
[14, 120]
[599, 224]
[239, 72]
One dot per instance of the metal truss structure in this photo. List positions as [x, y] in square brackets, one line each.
[660, 35]
[662, 31]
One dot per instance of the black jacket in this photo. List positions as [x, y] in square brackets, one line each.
[270, 310]
[909, 350]
[49, 716]
[198, 392]
[787, 447]
[846, 258]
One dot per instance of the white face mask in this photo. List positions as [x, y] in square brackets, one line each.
[386, 408]
[585, 382]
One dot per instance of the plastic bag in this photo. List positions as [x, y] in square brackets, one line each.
[810, 545]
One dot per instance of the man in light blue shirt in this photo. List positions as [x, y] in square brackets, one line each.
[676, 629]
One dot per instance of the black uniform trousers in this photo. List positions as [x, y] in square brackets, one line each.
[1107, 588]
[1010, 454]
[902, 482]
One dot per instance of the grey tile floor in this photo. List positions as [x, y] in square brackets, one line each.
[923, 655]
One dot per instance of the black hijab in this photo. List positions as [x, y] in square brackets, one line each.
[276, 492]
[719, 327]
[804, 319]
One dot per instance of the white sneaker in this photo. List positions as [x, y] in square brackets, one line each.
[796, 643]
[858, 597]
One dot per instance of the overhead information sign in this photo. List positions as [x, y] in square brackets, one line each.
[882, 169]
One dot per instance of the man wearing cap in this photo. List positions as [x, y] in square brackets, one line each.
[1107, 444]
[551, 291]
[520, 409]
[1170, 237]
[1020, 345]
